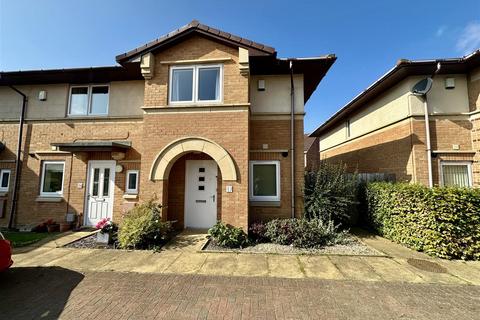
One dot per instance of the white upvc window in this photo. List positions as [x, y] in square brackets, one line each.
[456, 173]
[131, 185]
[88, 100]
[196, 84]
[5, 179]
[51, 183]
[264, 181]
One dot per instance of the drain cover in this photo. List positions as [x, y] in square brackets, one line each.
[426, 265]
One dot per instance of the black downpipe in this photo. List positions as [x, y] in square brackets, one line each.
[18, 167]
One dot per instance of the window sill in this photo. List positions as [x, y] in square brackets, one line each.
[130, 196]
[253, 203]
[49, 199]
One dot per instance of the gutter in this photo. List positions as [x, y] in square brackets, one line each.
[292, 138]
[16, 182]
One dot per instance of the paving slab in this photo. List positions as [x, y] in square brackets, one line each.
[20, 256]
[223, 264]
[431, 277]
[320, 267]
[251, 265]
[44, 258]
[354, 268]
[187, 263]
[156, 262]
[391, 270]
[462, 270]
[286, 266]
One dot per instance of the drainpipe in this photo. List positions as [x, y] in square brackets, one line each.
[427, 132]
[292, 137]
[429, 145]
[16, 182]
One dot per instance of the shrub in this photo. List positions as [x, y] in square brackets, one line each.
[444, 222]
[143, 228]
[331, 193]
[303, 233]
[258, 232]
[228, 236]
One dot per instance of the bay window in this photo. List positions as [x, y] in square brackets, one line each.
[264, 181]
[195, 84]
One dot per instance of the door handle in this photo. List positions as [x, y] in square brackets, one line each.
[213, 197]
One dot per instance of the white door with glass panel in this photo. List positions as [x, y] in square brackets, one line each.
[99, 204]
[200, 193]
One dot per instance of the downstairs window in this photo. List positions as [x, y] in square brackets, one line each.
[264, 181]
[456, 174]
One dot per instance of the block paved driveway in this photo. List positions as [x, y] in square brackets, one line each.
[54, 292]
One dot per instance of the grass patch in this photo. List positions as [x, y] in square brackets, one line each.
[21, 239]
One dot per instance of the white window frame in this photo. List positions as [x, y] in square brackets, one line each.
[457, 163]
[195, 75]
[51, 194]
[127, 180]
[1, 179]
[264, 198]
[89, 100]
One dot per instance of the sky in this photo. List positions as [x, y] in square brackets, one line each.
[368, 37]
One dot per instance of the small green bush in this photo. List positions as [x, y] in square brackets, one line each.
[304, 233]
[331, 194]
[443, 222]
[228, 236]
[143, 228]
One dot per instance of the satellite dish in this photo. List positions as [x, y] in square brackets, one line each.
[422, 87]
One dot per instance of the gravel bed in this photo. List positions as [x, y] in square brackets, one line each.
[351, 246]
[89, 242]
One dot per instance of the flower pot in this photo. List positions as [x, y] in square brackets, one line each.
[52, 227]
[103, 237]
[65, 227]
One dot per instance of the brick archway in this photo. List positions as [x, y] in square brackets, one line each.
[167, 156]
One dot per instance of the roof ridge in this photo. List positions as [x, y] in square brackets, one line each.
[196, 25]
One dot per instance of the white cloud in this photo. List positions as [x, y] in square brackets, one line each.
[469, 39]
[440, 31]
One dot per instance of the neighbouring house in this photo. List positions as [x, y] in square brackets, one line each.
[199, 118]
[310, 152]
[383, 129]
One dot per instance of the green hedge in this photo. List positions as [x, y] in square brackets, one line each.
[443, 222]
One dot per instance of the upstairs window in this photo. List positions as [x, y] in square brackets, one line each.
[88, 100]
[4, 179]
[196, 84]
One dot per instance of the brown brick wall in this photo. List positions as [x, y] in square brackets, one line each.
[386, 151]
[401, 150]
[313, 156]
[197, 47]
[276, 133]
[474, 102]
[228, 129]
[37, 137]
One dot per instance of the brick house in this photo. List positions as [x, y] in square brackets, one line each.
[310, 152]
[384, 130]
[201, 119]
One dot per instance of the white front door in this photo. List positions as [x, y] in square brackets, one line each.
[100, 186]
[200, 193]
